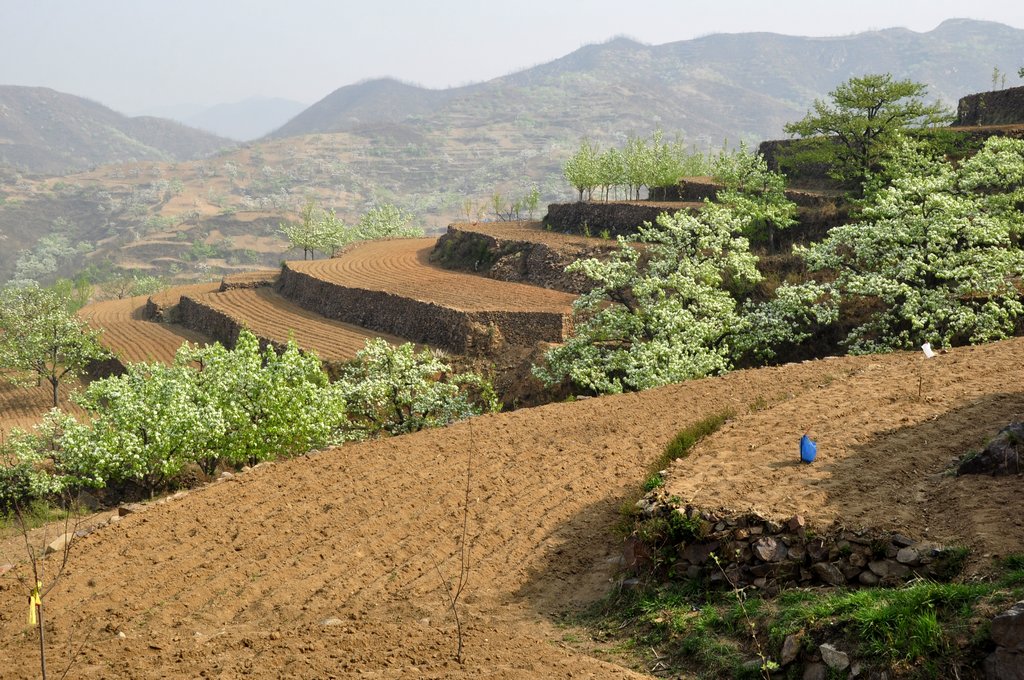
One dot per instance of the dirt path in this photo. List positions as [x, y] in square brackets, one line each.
[402, 267]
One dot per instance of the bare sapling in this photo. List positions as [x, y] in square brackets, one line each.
[453, 590]
[46, 567]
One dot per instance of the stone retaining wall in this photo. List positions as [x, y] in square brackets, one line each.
[198, 316]
[422, 322]
[768, 555]
[1000, 107]
[527, 262]
[594, 219]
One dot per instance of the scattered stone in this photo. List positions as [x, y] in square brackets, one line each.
[833, 658]
[114, 519]
[791, 648]
[907, 556]
[828, 573]
[4, 568]
[856, 669]
[630, 584]
[130, 509]
[1002, 455]
[867, 578]
[60, 544]
[901, 541]
[1008, 628]
[331, 622]
[815, 671]
[226, 475]
[178, 496]
[850, 572]
[121, 635]
[769, 549]
[817, 549]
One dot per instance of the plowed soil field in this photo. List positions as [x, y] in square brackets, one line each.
[402, 267]
[24, 407]
[272, 317]
[324, 566]
[128, 334]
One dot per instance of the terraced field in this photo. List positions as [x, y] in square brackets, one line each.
[273, 318]
[23, 407]
[128, 334]
[403, 268]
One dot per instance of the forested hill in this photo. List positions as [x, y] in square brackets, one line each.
[726, 86]
[43, 131]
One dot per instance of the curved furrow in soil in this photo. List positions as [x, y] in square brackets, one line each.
[402, 267]
[270, 316]
[130, 336]
[324, 565]
[242, 575]
[23, 407]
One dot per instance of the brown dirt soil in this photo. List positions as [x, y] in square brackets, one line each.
[533, 232]
[324, 566]
[24, 407]
[402, 267]
[270, 316]
[883, 454]
[169, 297]
[128, 334]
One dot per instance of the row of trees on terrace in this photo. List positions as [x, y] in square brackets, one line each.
[935, 255]
[217, 407]
[640, 164]
[321, 230]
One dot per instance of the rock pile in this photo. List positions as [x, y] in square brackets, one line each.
[1007, 662]
[1002, 455]
[753, 551]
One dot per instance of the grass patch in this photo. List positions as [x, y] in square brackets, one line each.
[681, 444]
[923, 630]
[39, 513]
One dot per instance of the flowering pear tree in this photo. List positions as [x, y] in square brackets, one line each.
[938, 251]
[661, 312]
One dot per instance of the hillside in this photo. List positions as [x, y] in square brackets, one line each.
[431, 151]
[330, 570]
[45, 132]
[730, 86]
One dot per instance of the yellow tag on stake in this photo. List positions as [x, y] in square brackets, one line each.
[35, 601]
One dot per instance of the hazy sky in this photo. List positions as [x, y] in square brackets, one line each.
[143, 55]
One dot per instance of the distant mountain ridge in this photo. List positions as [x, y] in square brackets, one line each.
[43, 131]
[736, 86]
[247, 119]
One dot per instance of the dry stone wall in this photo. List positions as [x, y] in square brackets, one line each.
[593, 219]
[527, 262]
[422, 322]
[768, 555]
[1000, 107]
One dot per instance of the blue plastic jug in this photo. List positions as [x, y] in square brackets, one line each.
[808, 449]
